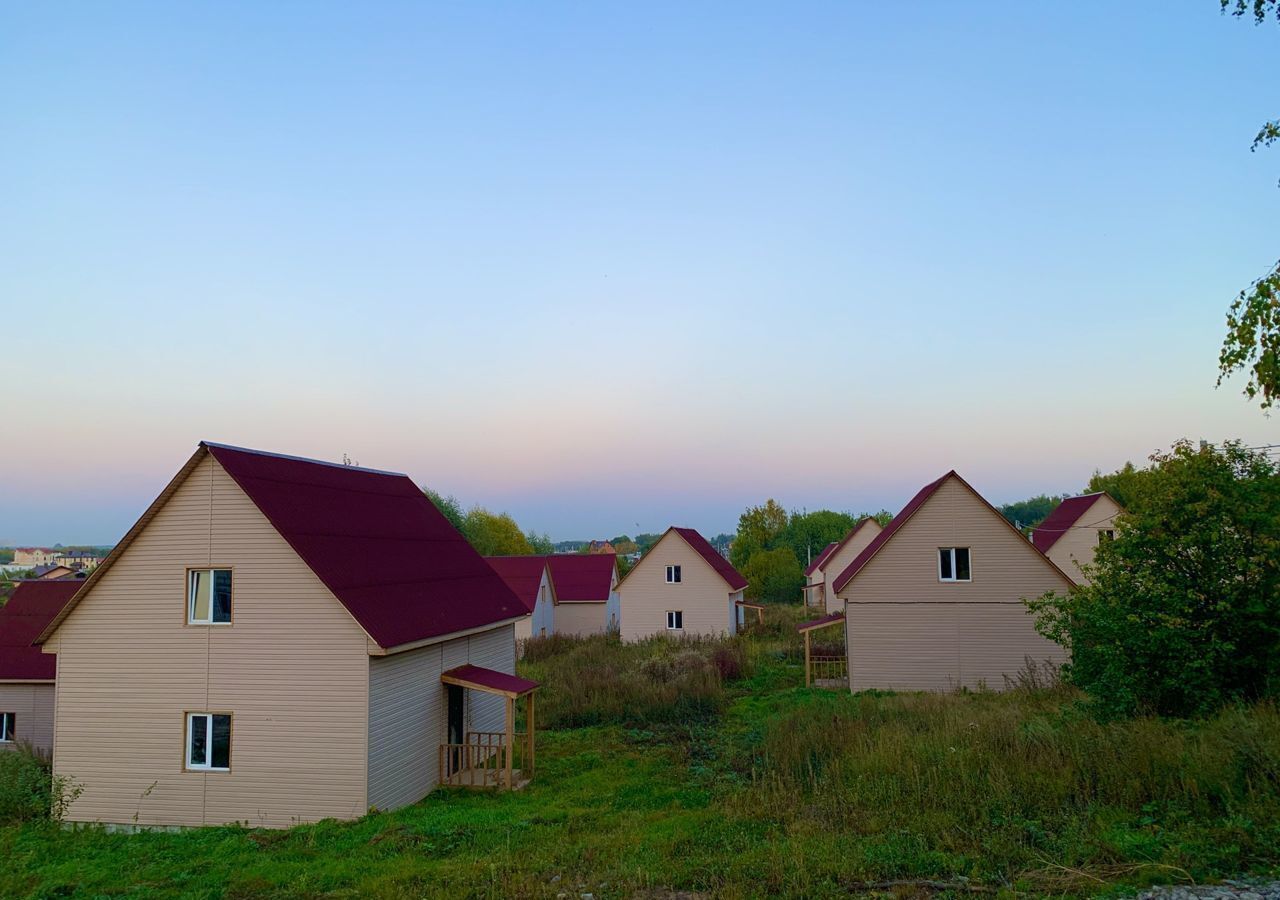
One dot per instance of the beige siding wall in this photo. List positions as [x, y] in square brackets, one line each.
[701, 595]
[840, 560]
[407, 712]
[524, 628]
[32, 706]
[816, 597]
[905, 629]
[580, 618]
[292, 670]
[1077, 546]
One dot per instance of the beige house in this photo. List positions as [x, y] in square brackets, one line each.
[34, 556]
[834, 560]
[682, 586]
[587, 600]
[27, 674]
[934, 602]
[280, 640]
[1070, 534]
[77, 559]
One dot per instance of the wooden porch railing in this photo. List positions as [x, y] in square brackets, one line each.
[486, 760]
[828, 668]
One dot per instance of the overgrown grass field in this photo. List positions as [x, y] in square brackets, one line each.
[703, 767]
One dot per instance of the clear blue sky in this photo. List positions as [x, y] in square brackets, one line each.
[616, 266]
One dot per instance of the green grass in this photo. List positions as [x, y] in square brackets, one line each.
[769, 789]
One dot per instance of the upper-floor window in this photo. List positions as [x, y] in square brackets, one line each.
[8, 721]
[673, 574]
[209, 596]
[675, 620]
[1106, 534]
[209, 741]
[953, 564]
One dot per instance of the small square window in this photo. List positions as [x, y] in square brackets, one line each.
[675, 620]
[673, 574]
[953, 564]
[209, 597]
[1106, 535]
[8, 722]
[209, 741]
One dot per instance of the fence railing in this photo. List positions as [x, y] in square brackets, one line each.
[828, 668]
[484, 758]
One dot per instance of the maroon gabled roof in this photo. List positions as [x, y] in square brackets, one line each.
[375, 540]
[582, 578]
[821, 558]
[523, 574]
[724, 569]
[848, 537]
[888, 531]
[32, 607]
[820, 623]
[490, 678]
[1059, 522]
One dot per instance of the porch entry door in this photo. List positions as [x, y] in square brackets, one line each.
[456, 724]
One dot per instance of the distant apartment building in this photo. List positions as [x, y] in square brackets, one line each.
[34, 556]
[77, 559]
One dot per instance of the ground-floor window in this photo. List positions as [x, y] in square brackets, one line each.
[209, 741]
[8, 721]
[675, 620]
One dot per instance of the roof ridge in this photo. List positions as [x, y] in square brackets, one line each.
[305, 459]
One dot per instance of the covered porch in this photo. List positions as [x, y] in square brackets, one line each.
[747, 610]
[815, 595]
[487, 759]
[828, 669]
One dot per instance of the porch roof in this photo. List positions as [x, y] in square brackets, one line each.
[490, 681]
[814, 624]
[749, 604]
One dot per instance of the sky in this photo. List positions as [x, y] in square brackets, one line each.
[615, 266]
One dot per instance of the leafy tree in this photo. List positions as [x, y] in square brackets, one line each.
[759, 527]
[1182, 614]
[621, 539]
[1027, 514]
[540, 542]
[646, 540]
[774, 575]
[807, 534]
[883, 518]
[1253, 321]
[449, 505]
[494, 534]
[1124, 485]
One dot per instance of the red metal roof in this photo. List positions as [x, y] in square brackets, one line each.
[376, 541]
[821, 558]
[1059, 522]
[32, 607]
[848, 537]
[582, 578]
[492, 679]
[523, 574]
[889, 531]
[820, 623]
[722, 566]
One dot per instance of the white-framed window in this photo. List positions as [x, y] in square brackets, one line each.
[8, 722]
[209, 742]
[209, 596]
[675, 620]
[1106, 534]
[953, 564]
[673, 574]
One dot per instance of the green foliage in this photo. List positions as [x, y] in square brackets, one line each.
[646, 540]
[1125, 485]
[540, 543]
[494, 534]
[28, 790]
[1027, 514]
[449, 505]
[774, 575]
[759, 528]
[1182, 614]
[600, 680]
[807, 534]
[1253, 338]
[1256, 8]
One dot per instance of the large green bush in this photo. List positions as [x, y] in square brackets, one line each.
[1182, 614]
[28, 790]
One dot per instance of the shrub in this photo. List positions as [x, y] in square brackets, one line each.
[1182, 614]
[28, 790]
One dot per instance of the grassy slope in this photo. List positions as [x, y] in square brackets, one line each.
[751, 803]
